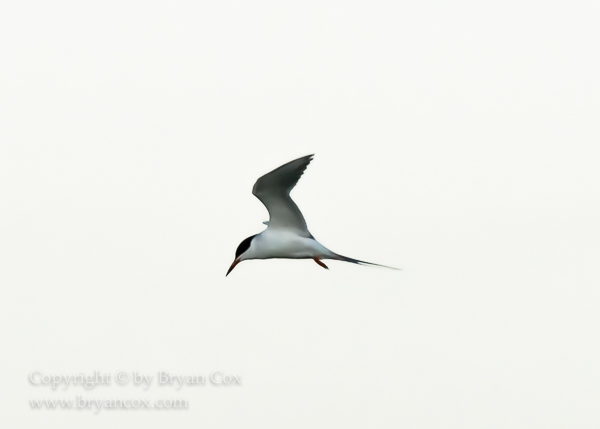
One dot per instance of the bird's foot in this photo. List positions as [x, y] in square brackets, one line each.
[318, 261]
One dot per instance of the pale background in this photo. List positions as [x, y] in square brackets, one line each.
[458, 141]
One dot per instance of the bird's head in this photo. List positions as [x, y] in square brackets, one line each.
[241, 253]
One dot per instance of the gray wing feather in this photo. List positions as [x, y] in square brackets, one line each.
[273, 190]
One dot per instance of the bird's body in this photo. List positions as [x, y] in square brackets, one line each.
[286, 236]
[282, 243]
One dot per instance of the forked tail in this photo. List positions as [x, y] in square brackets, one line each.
[359, 262]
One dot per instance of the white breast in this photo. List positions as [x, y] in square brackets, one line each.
[279, 243]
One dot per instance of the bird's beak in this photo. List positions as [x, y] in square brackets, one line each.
[235, 262]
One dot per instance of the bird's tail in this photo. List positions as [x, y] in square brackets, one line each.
[337, 257]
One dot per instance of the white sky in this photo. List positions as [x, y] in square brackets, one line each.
[456, 140]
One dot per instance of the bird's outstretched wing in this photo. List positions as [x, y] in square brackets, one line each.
[273, 190]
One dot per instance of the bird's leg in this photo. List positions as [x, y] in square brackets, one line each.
[318, 261]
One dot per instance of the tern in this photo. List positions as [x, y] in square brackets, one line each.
[286, 236]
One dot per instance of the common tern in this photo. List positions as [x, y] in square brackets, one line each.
[286, 236]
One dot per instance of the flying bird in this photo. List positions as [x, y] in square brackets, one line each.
[287, 235]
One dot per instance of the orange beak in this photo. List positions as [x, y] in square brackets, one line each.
[235, 262]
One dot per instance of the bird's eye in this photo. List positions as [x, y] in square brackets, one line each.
[244, 245]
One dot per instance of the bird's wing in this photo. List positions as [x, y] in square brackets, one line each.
[273, 190]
